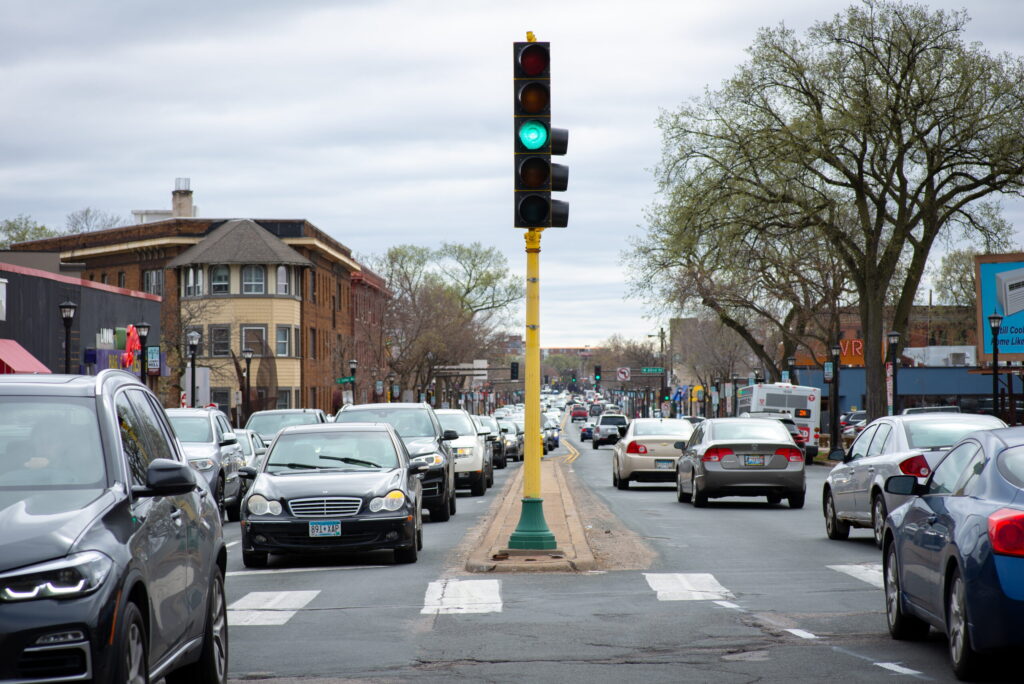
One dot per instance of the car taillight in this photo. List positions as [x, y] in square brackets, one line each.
[636, 448]
[716, 454]
[792, 455]
[915, 465]
[1006, 532]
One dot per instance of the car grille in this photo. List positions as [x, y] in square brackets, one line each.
[53, 662]
[339, 506]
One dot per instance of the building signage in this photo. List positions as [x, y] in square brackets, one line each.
[999, 289]
[153, 359]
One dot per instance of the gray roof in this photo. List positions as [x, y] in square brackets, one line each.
[240, 241]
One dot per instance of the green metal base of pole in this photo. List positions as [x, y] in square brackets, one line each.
[532, 532]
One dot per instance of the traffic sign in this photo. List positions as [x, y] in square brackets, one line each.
[347, 378]
[652, 370]
[622, 374]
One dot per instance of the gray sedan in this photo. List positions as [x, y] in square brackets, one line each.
[740, 457]
[854, 493]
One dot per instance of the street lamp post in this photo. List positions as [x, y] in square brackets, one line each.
[391, 387]
[837, 439]
[143, 329]
[373, 384]
[193, 344]
[67, 316]
[893, 337]
[791, 365]
[995, 322]
[352, 364]
[247, 354]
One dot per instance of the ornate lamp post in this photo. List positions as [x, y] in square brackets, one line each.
[791, 365]
[837, 439]
[391, 387]
[247, 354]
[193, 344]
[143, 329]
[67, 316]
[373, 384]
[995, 321]
[893, 339]
[352, 364]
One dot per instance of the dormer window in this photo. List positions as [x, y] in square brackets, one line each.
[220, 280]
[254, 280]
[283, 280]
[193, 281]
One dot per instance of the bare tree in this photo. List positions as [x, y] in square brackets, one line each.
[89, 219]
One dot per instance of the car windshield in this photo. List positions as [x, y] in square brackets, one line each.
[507, 426]
[192, 428]
[751, 428]
[270, 423]
[944, 432]
[459, 422]
[408, 422]
[338, 449]
[46, 444]
[551, 423]
[671, 426]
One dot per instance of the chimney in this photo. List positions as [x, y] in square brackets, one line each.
[181, 199]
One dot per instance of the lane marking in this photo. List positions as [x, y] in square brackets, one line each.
[457, 597]
[573, 453]
[239, 573]
[899, 669]
[729, 604]
[866, 572]
[268, 608]
[696, 586]
[802, 634]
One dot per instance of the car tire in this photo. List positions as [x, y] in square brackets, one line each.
[479, 485]
[234, 510]
[615, 476]
[453, 501]
[834, 527]
[218, 494]
[440, 513]
[774, 499]
[212, 666]
[132, 651]
[419, 537]
[796, 500]
[594, 443]
[902, 627]
[681, 496]
[878, 513]
[962, 656]
[407, 555]
[700, 497]
[254, 559]
[623, 482]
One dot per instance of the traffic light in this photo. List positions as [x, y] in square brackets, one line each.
[514, 371]
[574, 376]
[535, 141]
[597, 374]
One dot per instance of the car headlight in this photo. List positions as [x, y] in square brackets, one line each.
[202, 463]
[69, 577]
[392, 501]
[462, 451]
[260, 505]
[429, 459]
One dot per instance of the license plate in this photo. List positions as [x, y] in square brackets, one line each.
[325, 528]
[753, 460]
[663, 464]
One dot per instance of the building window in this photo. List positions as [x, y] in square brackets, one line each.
[312, 286]
[284, 338]
[153, 281]
[103, 278]
[221, 396]
[122, 279]
[312, 343]
[193, 281]
[220, 280]
[284, 397]
[312, 397]
[254, 280]
[255, 337]
[220, 340]
[283, 280]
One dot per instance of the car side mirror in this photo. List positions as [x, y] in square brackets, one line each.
[449, 435]
[167, 477]
[228, 438]
[247, 473]
[837, 454]
[680, 445]
[904, 485]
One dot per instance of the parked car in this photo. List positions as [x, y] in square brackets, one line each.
[953, 553]
[334, 487]
[850, 418]
[854, 491]
[513, 436]
[268, 422]
[424, 439]
[493, 439]
[99, 506]
[853, 429]
[473, 465]
[740, 457]
[647, 453]
[212, 448]
[608, 429]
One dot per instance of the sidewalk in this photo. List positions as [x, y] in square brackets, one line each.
[573, 553]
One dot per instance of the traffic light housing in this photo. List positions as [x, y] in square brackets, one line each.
[574, 377]
[514, 371]
[535, 141]
[597, 374]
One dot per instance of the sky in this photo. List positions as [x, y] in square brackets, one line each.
[381, 122]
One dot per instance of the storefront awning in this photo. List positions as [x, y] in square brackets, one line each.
[15, 359]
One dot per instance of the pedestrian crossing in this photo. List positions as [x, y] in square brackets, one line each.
[453, 596]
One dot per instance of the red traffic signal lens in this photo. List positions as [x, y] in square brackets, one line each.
[534, 60]
[534, 172]
[534, 98]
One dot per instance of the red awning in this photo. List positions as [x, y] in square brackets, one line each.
[14, 359]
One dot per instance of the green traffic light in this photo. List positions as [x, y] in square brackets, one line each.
[533, 135]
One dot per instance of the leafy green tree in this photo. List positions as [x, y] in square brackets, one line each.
[22, 229]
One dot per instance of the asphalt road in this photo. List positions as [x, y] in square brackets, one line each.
[740, 591]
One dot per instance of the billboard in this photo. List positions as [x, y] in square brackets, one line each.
[999, 288]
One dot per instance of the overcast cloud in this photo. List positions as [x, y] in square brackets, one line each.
[380, 122]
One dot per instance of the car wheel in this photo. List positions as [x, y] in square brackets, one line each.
[681, 496]
[133, 658]
[623, 482]
[479, 485]
[796, 500]
[834, 527]
[615, 476]
[235, 510]
[594, 443]
[212, 666]
[490, 477]
[901, 625]
[700, 498]
[453, 501]
[419, 539]
[774, 499]
[964, 659]
[407, 555]
[878, 513]
[218, 494]
[440, 513]
[254, 559]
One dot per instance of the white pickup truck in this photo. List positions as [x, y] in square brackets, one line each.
[609, 428]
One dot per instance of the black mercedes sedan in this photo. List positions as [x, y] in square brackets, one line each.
[332, 488]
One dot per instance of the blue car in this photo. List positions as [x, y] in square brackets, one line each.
[953, 553]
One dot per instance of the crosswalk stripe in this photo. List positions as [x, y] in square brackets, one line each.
[866, 572]
[697, 586]
[456, 597]
[264, 608]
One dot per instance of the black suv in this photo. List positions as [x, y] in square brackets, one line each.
[426, 442]
[112, 554]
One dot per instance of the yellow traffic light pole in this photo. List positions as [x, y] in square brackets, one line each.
[532, 531]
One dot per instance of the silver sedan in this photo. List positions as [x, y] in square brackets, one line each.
[646, 453]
